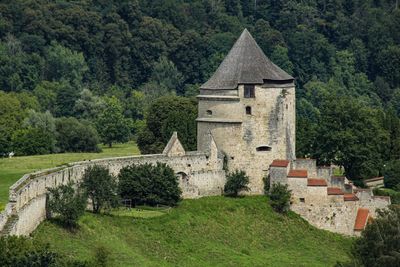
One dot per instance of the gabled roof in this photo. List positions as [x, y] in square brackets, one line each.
[245, 64]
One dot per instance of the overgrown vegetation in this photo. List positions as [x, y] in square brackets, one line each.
[236, 182]
[280, 197]
[149, 184]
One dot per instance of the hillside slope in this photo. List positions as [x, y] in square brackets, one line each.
[212, 231]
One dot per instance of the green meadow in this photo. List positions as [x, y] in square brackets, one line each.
[211, 231]
[12, 169]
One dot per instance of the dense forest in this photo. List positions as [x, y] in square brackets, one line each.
[74, 73]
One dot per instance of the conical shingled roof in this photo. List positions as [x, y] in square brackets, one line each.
[245, 64]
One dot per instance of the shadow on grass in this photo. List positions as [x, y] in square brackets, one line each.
[72, 228]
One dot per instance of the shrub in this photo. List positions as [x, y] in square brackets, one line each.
[67, 203]
[101, 188]
[76, 136]
[280, 197]
[236, 182]
[149, 184]
[22, 251]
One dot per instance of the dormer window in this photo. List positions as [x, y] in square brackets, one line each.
[249, 91]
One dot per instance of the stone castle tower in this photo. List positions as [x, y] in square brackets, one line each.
[248, 105]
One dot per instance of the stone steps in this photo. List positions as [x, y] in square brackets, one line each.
[9, 225]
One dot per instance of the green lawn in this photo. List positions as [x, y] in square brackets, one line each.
[13, 169]
[212, 231]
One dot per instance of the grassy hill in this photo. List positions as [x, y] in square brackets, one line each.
[14, 168]
[212, 231]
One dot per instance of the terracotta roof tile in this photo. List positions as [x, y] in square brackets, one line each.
[280, 163]
[316, 182]
[350, 197]
[335, 191]
[361, 219]
[298, 173]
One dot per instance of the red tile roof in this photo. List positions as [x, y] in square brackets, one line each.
[335, 191]
[350, 197]
[280, 163]
[361, 219]
[316, 182]
[298, 173]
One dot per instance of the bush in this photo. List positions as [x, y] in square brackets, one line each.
[21, 251]
[75, 136]
[67, 204]
[235, 183]
[101, 188]
[149, 184]
[280, 197]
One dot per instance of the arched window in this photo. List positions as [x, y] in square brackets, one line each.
[248, 110]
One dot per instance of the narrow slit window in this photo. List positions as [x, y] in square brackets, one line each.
[248, 110]
[249, 91]
[263, 148]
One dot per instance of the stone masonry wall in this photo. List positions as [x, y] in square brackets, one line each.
[199, 174]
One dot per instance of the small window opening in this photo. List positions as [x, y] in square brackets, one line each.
[248, 110]
[232, 158]
[263, 148]
[302, 200]
[249, 91]
[209, 112]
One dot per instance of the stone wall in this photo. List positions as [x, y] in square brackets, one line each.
[199, 173]
[250, 141]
